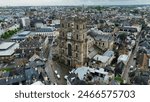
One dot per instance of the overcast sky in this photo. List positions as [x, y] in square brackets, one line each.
[70, 2]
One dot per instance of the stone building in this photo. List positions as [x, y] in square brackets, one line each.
[102, 41]
[73, 47]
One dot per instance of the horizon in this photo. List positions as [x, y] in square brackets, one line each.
[72, 2]
[73, 5]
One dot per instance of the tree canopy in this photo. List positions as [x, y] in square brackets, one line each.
[9, 33]
[122, 36]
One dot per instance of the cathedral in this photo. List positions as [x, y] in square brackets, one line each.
[73, 49]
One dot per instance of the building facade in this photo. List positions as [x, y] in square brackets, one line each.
[73, 41]
[25, 22]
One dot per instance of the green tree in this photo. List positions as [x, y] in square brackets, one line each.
[122, 36]
[119, 79]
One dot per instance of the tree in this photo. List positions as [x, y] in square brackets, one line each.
[119, 79]
[9, 33]
[122, 36]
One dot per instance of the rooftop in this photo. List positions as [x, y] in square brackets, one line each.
[101, 58]
[24, 33]
[82, 71]
[6, 45]
[104, 37]
[123, 58]
[10, 50]
[49, 29]
[21, 36]
[108, 53]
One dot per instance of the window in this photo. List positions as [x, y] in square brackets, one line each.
[83, 26]
[77, 27]
[69, 50]
[69, 62]
[63, 34]
[103, 44]
[62, 25]
[68, 24]
[76, 47]
[76, 54]
[77, 36]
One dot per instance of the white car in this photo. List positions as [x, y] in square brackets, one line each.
[58, 76]
[44, 59]
[132, 69]
[65, 77]
[55, 72]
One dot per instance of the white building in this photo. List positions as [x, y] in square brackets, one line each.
[55, 21]
[101, 75]
[7, 50]
[39, 25]
[25, 21]
[46, 31]
[123, 58]
[104, 59]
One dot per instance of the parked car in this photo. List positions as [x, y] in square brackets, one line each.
[44, 59]
[65, 77]
[132, 69]
[55, 72]
[58, 76]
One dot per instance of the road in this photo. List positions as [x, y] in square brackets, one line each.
[131, 61]
[49, 70]
[51, 66]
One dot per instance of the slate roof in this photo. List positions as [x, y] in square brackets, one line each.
[99, 36]
[20, 36]
[145, 44]
[30, 73]
[141, 80]
[74, 80]
[30, 43]
[34, 57]
[44, 30]
[35, 64]
[12, 80]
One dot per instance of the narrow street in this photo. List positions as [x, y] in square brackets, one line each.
[131, 61]
[51, 66]
[49, 70]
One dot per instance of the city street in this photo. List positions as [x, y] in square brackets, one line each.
[52, 66]
[131, 61]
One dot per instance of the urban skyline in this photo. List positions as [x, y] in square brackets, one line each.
[75, 45]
